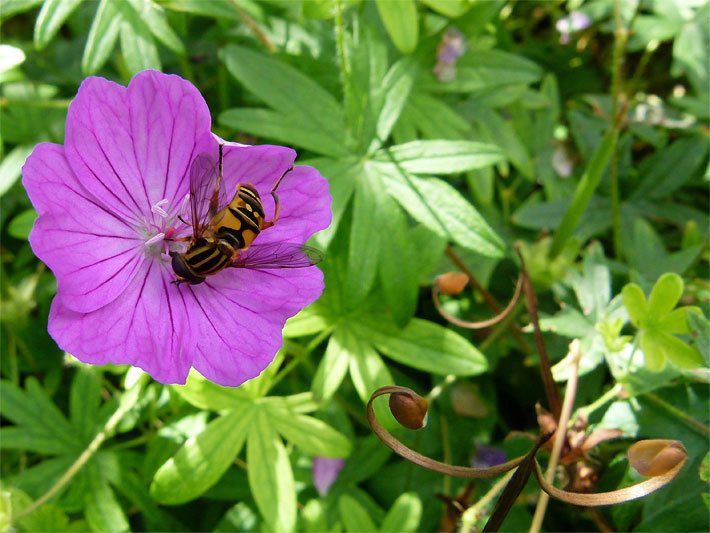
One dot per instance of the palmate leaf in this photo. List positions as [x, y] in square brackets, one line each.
[401, 21]
[37, 418]
[313, 436]
[440, 208]
[103, 512]
[287, 90]
[102, 36]
[270, 475]
[51, 18]
[354, 516]
[442, 157]
[137, 45]
[202, 460]
[333, 366]
[404, 515]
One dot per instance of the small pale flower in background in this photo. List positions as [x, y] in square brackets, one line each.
[451, 47]
[572, 23]
[325, 472]
[109, 203]
[562, 162]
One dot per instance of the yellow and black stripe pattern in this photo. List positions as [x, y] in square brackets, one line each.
[232, 229]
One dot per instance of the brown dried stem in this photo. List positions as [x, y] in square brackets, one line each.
[436, 291]
[551, 390]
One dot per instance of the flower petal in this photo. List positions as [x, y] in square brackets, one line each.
[92, 265]
[92, 251]
[305, 207]
[148, 327]
[261, 165]
[238, 317]
[132, 147]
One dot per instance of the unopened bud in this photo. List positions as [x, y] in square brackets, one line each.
[410, 410]
[655, 457]
[452, 283]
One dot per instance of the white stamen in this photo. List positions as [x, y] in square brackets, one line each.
[184, 204]
[157, 238]
[157, 208]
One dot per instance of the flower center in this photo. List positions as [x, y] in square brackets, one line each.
[161, 231]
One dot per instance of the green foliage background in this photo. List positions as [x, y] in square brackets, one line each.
[521, 146]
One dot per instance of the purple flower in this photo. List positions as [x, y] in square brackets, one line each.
[487, 456]
[325, 472]
[451, 47]
[574, 22]
[108, 204]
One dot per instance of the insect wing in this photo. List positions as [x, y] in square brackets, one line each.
[206, 191]
[278, 255]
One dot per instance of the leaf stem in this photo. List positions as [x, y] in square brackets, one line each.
[127, 401]
[688, 420]
[620, 37]
[560, 436]
[340, 44]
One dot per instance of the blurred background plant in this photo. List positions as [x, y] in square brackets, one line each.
[448, 130]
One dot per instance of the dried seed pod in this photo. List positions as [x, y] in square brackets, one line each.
[452, 283]
[655, 457]
[410, 410]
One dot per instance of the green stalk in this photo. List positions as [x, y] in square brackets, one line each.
[583, 194]
[620, 36]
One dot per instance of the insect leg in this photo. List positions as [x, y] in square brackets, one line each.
[277, 203]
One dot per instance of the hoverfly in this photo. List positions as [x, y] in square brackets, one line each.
[222, 237]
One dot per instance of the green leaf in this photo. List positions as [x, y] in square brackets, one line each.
[308, 321]
[218, 9]
[154, 17]
[270, 475]
[583, 193]
[398, 265]
[690, 52]
[313, 436]
[671, 168]
[395, 90]
[50, 19]
[21, 225]
[700, 328]
[423, 345]
[365, 238]
[84, 401]
[503, 133]
[204, 394]
[342, 177]
[401, 21]
[367, 370]
[13, 7]
[102, 510]
[202, 460]
[678, 352]
[443, 157]
[635, 303]
[449, 8]
[102, 36]
[441, 208]
[287, 90]
[488, 70]
[35, 412]
[285, 128]
[137, 45]
[354, 516]
[404, 515]
[665, 295]
[333, 366]
[11, 166]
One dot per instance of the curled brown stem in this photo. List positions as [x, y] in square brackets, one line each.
[436, 292]
[422, 460]
[551, 390]
[661, 459]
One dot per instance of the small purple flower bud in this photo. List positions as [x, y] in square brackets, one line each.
[574, 22]
[325, 472]
[451, 47]
[487, 456]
